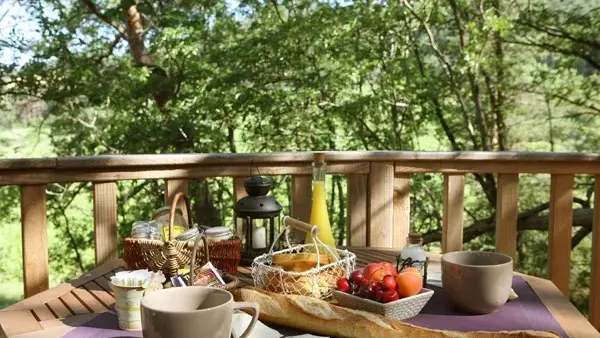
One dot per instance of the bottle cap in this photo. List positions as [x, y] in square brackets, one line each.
[319, 157]
[414, 238]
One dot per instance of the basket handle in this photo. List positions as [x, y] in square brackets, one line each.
[313, 230]
[174, 208]
[206, 254]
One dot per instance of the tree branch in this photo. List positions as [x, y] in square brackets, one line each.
[553, 48]
[92, 8]
[581, 218]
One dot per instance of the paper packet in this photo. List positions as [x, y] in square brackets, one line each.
[207, 275]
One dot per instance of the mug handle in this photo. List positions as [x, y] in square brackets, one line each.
[255, 310]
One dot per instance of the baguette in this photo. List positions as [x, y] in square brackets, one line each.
[319, 317]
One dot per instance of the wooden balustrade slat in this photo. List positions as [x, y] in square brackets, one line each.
[34, 239]
[452, 220]
[381, 205]
[301, 202]
[561, 224]
[105, 222]
[356, 234]
[401, 210]
[506, 214]
[238, 192]
[172, 188]
[594, 307]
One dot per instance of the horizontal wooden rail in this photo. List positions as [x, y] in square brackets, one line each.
[272, 159]
[379, 189]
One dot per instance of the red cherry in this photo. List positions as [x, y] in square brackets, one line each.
[366, 291]
[357, 277]
[389, 282]
[390, 296]
[379, 295]
[343, 285]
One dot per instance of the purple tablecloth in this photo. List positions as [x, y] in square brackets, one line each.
[525, 313]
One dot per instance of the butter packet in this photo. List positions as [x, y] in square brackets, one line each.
[207, 275]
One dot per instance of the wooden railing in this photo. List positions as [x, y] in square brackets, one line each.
[378, 197]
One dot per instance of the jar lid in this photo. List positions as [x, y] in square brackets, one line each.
[188, 234]
[414, 237]
[217, 231]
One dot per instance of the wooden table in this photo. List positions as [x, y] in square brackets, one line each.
[59, 310]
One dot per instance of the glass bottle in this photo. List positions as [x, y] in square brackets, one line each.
[413, 254]
[318, 213]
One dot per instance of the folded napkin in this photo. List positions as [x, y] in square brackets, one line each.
[241, 320]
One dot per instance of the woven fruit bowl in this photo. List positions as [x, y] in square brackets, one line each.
[400, 309]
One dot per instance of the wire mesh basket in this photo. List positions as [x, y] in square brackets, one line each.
[314, 282]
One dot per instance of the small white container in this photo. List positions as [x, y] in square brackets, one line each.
[218, 234]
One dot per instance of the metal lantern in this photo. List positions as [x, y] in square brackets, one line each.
[255, 210]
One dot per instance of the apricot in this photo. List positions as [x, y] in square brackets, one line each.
[412, 270]
[408, 283]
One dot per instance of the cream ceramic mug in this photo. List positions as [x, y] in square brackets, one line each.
[192, 312]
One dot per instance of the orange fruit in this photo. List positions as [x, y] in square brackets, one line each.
[408, 283]
[411, 270]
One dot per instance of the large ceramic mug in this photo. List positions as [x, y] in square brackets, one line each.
[476, 281]
[192, 312]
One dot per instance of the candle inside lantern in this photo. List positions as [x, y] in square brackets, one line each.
[259, 238]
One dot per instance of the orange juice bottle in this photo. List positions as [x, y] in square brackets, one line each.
[318, 212]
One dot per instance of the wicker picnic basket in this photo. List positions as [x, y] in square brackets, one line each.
[170, 255]
[316, 282]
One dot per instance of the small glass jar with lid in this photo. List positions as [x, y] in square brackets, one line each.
[162, 215]
[147, 230]
[413, 255]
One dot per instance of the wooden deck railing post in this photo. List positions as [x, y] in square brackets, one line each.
[452, 222]
[561, 225]
[594, 309]
[357, 211]
[401, 210]
[34, 238]
[506, 214]
[381, 205]
[105, 222]
[172, 187]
